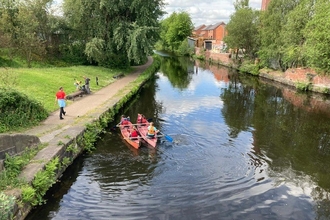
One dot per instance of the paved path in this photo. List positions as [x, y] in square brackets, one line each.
[82, 106]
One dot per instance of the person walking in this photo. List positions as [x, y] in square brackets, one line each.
[87, 84]
[60, 98]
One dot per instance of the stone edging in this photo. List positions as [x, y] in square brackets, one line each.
[69, 137]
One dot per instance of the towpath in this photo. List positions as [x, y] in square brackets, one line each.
[52, 126]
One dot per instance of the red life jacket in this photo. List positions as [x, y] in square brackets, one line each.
[134, 133]
[142, 120]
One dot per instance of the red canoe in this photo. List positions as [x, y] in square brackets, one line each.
[142, 126]
[125, 131]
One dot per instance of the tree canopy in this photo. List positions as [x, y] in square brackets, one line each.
[112, 33]
[115, 32]
[242, 30]
[317, 35]
[290, 33]
[175, 29]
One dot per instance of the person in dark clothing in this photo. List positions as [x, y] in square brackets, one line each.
[87, 84]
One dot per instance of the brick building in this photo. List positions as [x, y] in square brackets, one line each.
[210, 37]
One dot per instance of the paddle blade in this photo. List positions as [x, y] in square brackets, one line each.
[169, 138]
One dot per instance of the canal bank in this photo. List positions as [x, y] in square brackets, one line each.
[304, 79]
[64, 140]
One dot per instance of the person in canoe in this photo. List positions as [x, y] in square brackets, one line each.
[133, 134]
[142, 119]
[152, 130]
[124, 121]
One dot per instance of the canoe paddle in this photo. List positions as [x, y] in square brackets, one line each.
[167, 137]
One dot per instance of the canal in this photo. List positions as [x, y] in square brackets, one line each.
[243, 148]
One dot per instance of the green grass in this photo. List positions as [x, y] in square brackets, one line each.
[41, 84]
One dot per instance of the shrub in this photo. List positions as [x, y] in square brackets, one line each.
[18, 111]
[184, 49]
[249, 67]
[301, 86]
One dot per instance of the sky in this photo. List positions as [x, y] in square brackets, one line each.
[206, 12]
[203, 12]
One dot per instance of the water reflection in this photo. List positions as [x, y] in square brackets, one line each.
[178, 71]
[243, 148]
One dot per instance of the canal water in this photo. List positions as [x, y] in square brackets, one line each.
[243, 148]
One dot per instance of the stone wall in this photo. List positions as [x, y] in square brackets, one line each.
[14, 144]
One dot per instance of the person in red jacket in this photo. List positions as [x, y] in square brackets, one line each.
[134, 133]
[60, 98]
[142, 119]
[124, 121]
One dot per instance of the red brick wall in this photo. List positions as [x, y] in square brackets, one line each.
[222, 57]
[320, 83]
[219, 34]
[198, 31]
[306, 75]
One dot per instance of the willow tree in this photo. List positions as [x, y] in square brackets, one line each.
[115, 32]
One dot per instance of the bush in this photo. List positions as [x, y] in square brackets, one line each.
[18, 111]
[73, 54]
[184, 49]
[248, 67]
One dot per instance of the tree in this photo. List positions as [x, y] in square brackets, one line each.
[292, 34]
[242, 31]
[124, 32]
[239, 4]
[272, 22]
[8, 22]
[317, 35]
[24, 27]
[176, 29]
[28, 38]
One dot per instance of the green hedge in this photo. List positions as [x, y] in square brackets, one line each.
[18, 111]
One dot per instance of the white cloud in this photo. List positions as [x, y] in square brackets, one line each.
[210, 12]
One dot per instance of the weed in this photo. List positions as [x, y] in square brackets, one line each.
[72, 148]
[303, 86]
[14, 166]
[43, 180]
[66, 161]
[6, 205]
